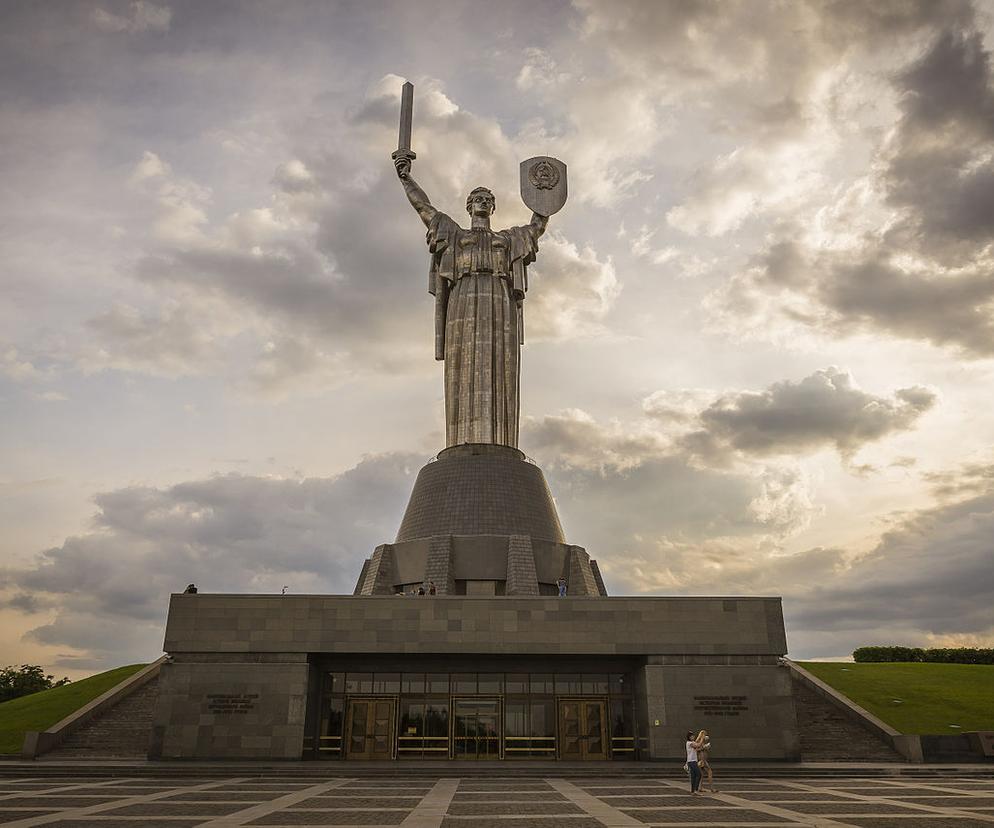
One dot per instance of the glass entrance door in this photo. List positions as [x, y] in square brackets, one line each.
[476, 728]
[583, 729]
[370, 729]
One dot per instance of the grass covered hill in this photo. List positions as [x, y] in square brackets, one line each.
[916, 698]
[40, 711]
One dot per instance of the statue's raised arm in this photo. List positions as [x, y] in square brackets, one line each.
[418, 197]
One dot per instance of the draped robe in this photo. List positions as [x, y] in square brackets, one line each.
[479, 278]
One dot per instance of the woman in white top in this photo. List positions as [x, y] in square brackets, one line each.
[693, 745]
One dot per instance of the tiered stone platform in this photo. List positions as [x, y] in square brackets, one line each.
[480, 521]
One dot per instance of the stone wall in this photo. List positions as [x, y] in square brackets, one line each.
[238, 683]
[458, 624]
[747, 710]
[231, 707]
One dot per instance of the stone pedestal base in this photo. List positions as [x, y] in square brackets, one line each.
[480, 521]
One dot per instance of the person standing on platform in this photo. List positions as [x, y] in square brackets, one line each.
[561, 583]
[693, 745]
[432, 590]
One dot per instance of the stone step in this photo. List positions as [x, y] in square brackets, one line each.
[123, 731]
[322, 771]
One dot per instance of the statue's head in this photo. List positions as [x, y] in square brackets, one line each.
[481, 202]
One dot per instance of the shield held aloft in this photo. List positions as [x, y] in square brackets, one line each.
[543, 184]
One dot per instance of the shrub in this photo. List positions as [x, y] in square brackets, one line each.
[954, 655]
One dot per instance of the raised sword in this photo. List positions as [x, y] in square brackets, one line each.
[406, 119]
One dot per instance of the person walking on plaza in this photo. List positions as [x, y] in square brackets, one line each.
[703, 761]
[693, 745]
[561, 583]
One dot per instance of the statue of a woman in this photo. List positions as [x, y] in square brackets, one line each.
[479, 279]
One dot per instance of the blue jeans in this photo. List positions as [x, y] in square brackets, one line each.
[695, 776]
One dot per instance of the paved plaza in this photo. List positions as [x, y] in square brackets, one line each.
[491, 802]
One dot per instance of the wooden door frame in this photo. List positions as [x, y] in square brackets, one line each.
[603, 701]
[347, 728]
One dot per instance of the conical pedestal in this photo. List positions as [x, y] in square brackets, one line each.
[480, 521]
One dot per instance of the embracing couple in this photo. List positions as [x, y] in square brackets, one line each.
[698, 749]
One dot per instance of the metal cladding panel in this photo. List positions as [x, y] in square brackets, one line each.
[481, 490]
[706, 627]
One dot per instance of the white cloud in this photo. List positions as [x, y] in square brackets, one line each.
[15, 367]
[539, 69]
[571, 291]
[138, 16]
[175, 341]
[182, 202]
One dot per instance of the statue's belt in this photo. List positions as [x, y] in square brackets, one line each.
[483, 273]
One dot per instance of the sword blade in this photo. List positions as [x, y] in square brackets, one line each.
[406, 116]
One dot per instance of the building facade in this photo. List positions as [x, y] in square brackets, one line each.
[490, 664]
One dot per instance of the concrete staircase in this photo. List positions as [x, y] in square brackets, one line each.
[829, 736]
[122, 731]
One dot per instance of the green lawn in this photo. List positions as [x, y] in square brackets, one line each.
[916, 698]
[41, 710]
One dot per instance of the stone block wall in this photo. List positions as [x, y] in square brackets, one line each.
[238, 683]
[221, 708]
[748, 710]
[459, 624]
[521, 576]
[521, 561]
[440, 567]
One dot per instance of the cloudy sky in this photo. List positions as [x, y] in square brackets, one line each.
[760, 335]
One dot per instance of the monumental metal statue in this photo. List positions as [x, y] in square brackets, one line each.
[479, 278]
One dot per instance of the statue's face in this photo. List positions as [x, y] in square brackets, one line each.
[481, 204]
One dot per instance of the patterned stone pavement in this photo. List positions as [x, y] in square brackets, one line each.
[492, 802]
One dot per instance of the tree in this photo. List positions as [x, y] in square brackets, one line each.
[28, 678]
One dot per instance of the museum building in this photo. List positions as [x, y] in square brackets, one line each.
[494, 666]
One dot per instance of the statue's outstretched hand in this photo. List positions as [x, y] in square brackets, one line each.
[403, 166]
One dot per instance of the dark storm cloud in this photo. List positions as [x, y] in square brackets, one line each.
[227, 534]
[867, 290]
[972, 478]
[951, 310]
[930, 574]
[941, 169]
[662, 525]
[938, 172]
[605, 475]
[824, 409]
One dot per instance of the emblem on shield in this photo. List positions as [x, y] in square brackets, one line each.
[543, 175]
[543, 184]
